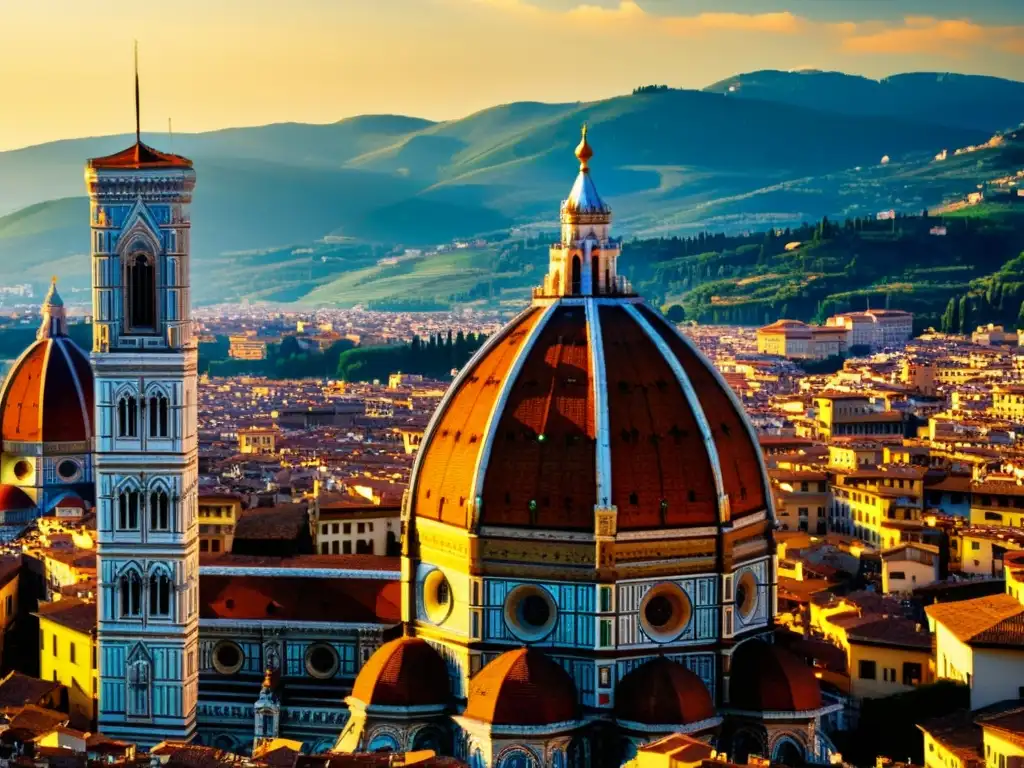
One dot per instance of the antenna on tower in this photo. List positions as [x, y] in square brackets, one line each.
[138, 133]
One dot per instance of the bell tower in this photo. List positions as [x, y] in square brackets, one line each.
[144, 362]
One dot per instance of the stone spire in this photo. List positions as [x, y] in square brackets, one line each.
[55, 321]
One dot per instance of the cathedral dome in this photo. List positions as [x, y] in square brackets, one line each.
[48, 394]
[406, 672]
[522, 687]
[577, 404]
[663, 692]
[766, 678]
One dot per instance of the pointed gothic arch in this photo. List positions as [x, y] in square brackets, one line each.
[128, 503]
[129, 591]
[160, 588]
[160, 504]
[576, 277]
[127, 411]
[157, 407]
[138, 682]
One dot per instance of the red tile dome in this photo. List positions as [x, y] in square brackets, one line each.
[663, 692]
[406, 672]
[522, 687]
[576, 404]
[766, 678]
[13, 498]
[48, 394]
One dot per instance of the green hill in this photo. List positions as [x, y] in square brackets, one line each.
[286, 212]
[969, 101]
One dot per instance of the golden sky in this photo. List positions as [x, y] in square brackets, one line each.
[65, 65]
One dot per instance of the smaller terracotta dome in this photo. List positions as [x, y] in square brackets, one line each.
[406, 672]
[767, 678]
[663, 692]
[522, 687]
[12, 498]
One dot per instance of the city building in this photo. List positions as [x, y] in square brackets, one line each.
[875, 328]
[353, 528]
[980, 642]
[258, 439]
[218, 514]
[67, 655]
[247, 347]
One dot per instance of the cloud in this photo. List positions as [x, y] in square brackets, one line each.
[926, 34]
[910, 35]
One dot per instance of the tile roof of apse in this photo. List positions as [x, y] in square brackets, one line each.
[522, 687]
[406, 672]
[138, 157]
[663, 692]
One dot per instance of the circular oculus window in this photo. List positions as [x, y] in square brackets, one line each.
[68, 469]
[322, 660]
[22, 469]
[665, 612]
[746, 595]
[227, 657]
[437, 596]
[530, 612]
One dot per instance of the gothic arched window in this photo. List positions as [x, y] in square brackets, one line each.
[595, 273]
[139, 678]
[159, 415]
[575, 276]
[160, 594]
[128, 510]
[127, 416]
[129, 587]
[159, 511]
[140, 289]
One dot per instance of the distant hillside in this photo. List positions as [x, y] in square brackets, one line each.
[967, 101]
[285, 212]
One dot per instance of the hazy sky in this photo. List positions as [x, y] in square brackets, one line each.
[65, 65]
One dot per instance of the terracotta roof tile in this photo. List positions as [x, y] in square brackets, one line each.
[969, 619]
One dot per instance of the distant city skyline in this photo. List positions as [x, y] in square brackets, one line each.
[219, 63]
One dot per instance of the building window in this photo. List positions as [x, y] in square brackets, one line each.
[911, 673]
[159, 511]
[141, 288]
[159, 595]
[127, 417]
[866, 670]
[55, 646]
[130, 587]
[128, 511]
[71, 656]
[159, 416]
[347, 548]
[215, 545]
[360, 528]
[347, 528]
